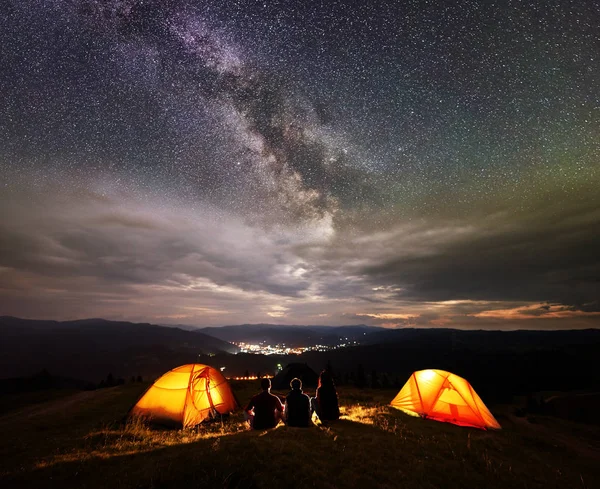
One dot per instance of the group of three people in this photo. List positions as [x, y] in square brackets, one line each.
[265, 409]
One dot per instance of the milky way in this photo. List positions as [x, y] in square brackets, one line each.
[392, 163]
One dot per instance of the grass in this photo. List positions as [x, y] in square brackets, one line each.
[12, 402]
[83, 441]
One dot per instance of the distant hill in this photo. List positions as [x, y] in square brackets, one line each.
[498, 364]
[291, 335]
[90, 349]
[520, 340]
[42, 381]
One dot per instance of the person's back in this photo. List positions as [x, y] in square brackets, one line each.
[266, 408]
[297, 406]
[327, 399]
[327, 405]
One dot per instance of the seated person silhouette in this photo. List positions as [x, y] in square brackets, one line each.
[297, 406]
[325, 404]
[265, 409]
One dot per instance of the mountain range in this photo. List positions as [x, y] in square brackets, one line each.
[498, 363]
[91, 348]
[292, 336]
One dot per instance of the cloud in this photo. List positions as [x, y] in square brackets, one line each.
[537, 311]
[83, 254]
[505, 258]
[102, 252]
[386, 316]
[277, 311]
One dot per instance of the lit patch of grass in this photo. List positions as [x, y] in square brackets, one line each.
[381, 417]
[137, 436]
[360, 413]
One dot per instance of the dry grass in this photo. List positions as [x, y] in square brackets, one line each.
[87, 444]
[136, 436]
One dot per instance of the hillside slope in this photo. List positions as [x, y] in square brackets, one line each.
[81, 442]
[90, 349]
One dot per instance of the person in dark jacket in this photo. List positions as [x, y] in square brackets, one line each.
[326, 403]
[265, 409]
[297, 406]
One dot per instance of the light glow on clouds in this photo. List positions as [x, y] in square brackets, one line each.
[537, 311]
[389, 316]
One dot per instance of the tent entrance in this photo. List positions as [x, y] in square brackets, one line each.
[200, 393]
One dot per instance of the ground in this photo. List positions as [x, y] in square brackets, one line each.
[83, 440]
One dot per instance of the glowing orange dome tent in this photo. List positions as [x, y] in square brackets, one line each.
[443, 396]
[186, 396]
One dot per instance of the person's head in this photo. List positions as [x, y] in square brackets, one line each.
[326, 379]
[265, 384]
[296, 384]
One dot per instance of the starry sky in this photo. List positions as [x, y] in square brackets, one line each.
[397, 163]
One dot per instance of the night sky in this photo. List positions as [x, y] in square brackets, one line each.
[399, 163]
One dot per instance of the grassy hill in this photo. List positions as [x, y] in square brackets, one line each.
[82, 441]
[90, 349]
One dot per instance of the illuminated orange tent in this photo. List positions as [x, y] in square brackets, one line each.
[186, 396]
[443, 396]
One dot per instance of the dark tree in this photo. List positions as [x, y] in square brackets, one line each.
[110, 380]
[139, 378]
[329, 367]
[361, 379]
[375, 380]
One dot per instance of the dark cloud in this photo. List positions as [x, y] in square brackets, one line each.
[370, 300]
[99, 240]
[533, 260]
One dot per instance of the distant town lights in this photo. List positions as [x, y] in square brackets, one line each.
[281, 349]
[250, 377]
